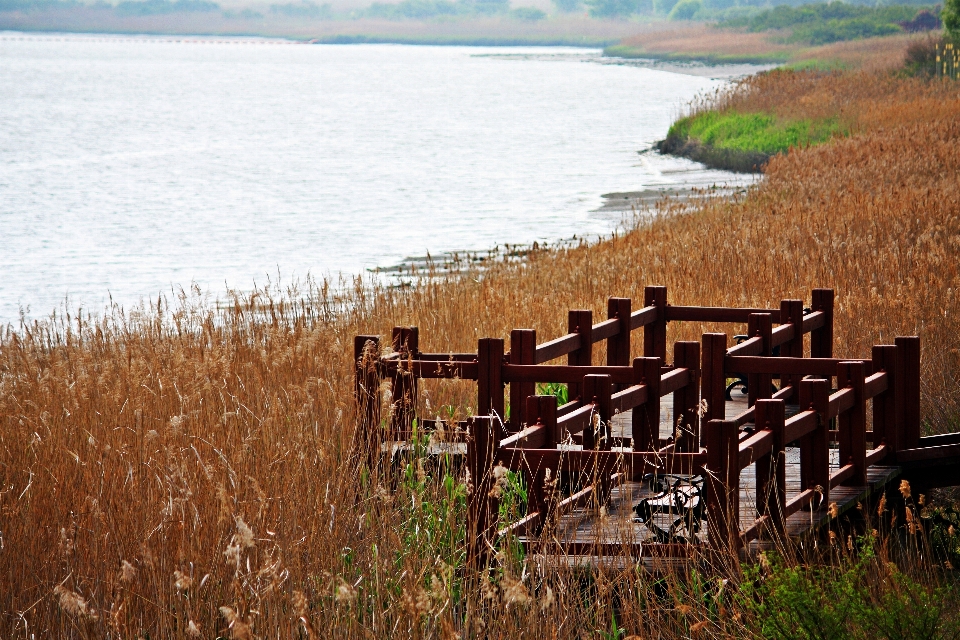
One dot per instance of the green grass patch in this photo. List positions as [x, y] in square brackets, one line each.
[756, 132]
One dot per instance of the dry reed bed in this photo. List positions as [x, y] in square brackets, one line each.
[186, 472]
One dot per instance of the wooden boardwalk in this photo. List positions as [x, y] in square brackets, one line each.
[859, 427]
[618, 524]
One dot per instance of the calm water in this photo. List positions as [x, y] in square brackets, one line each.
[128, 166]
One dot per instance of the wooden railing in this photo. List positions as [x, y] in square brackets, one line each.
[542, 441]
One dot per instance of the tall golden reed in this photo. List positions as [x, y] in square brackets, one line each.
[184, 470]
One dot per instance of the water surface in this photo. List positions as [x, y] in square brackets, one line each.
[129, 166]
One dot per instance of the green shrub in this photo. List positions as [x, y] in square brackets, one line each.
[858, 596]
[686, 9]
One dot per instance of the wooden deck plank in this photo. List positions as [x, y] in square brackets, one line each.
[615, 523]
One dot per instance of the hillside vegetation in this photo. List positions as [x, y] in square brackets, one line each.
[836, 21]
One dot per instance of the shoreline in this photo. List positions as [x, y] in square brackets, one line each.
[641, 206]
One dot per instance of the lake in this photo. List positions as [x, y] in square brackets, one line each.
[131, 166]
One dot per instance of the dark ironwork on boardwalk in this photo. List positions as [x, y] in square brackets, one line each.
[624, 467]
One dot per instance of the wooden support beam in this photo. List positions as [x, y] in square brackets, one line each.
[760, 325]
[406, 343]
[482, 443]
[597, 391]
[645, 420]
[821, 339]
[814, 448]
[723, 485]
[368, 435]
[686, 401]
[853, 422]
[580, 321]
[908, 380]
[523, 347]
[791, 311]
[713, 377]
[489, 379]
[655, 333]
[885, 410]
[771, 468]
[618, 346]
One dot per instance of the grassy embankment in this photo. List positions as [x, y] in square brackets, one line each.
[743, 128]
[185, 471]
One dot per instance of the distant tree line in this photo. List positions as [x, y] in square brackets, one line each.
[837, 21]
[439, 8]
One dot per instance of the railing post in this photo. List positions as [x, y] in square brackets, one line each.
[366, 360]
[853, 423]
[655, 333]
[686, 401]
[713, 378]
[618, 347]
[482, 443]
[815, 447]
[523, 347]
[908, 377]
[821, 340]
[580, 321]
[885, 405]
[758, 384]
[645, 421]
[771, 468]
[596, 389]
[489, 378]
[541, 410]
[406, 342]
[723, 484]
[791, 311]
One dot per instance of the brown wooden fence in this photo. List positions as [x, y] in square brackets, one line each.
[830, 399]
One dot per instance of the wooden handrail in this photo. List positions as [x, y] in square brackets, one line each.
[713, 314]
[674, 381]
[643, 317]
[800, 425]
[628, 398]
[875, 385]
[877, 454]
[606, 329]
[755, 447]
[840, 401]
[442, 357]
[557, 348]
[751, 347]
[781, 335]
[602, 461]
[841, 475]
[577, 420]
[566, 408]
[526, 434]
[747, 415]
[773, 365]
[563, 373]
[434, 368]
[813, 321]
[798, 502]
